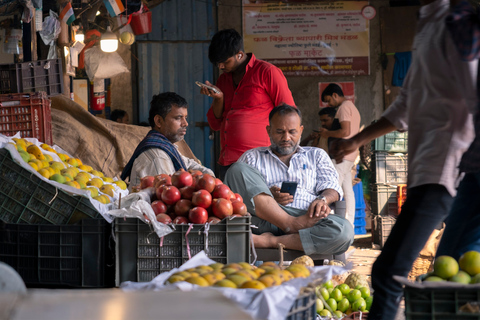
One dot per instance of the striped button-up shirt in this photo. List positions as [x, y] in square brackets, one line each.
[310, 167]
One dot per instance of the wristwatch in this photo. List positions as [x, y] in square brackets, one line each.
[323, 198]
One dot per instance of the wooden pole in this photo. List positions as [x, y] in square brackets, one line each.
[63, 39]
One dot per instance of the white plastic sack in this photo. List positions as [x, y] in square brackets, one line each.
[103, 65]
[50, 30]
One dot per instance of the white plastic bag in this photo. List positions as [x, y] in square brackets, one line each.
[103, 65]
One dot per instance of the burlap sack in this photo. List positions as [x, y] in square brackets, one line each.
[103, 144]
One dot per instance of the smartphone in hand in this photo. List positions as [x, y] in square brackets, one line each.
[203, 85]
[289, 187]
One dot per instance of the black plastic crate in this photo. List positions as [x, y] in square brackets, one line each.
[439, 303]
[304, 307]
[25, 198]
[140, 258]
[60, 256]
[33, 76]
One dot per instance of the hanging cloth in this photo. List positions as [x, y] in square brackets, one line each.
[402, 63]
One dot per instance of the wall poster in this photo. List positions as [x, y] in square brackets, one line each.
[309, 38]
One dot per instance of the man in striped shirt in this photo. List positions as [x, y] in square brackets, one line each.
[300, 222]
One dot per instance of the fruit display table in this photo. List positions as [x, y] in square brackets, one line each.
[115, 304]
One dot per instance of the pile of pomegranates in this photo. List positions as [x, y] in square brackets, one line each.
[192, 197]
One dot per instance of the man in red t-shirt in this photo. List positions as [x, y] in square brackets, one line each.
[247, 90]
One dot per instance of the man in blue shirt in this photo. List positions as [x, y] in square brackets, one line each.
[300, 222]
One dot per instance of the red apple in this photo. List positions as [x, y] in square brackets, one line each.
[182, 179]
[170, 195]
[162, 179]
[182, 207]
[222, 208]
[172, 214]
[198, 215]
[238, 197]
[180, 220]
[221, 191]
[187, 192]
[206, 182]
[213, 220]
[146, 182]
[239, 208]
[236, 215]
[202, 198]
[218, 182]
[159, 207]
[164, 218]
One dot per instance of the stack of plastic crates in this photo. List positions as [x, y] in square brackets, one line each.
[390, 170]
[360, 223]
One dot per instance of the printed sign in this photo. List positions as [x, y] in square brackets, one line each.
[309, 39]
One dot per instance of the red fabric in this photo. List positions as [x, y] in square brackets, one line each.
[245, 115]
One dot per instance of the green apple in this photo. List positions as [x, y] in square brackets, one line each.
[319, 305]
[359, 305]
[325, 313]
[369, 301]
[343, 305]
[344, 288]
[365, 292]
[328, 284]
[336, 294]
[354, 295]
[332, 303]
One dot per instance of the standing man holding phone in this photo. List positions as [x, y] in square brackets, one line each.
[349, 118]
[248, 89]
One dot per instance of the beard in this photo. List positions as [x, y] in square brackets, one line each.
[175, 136]
[284, 150]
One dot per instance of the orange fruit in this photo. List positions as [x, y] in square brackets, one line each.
[445, 267]
[470, 262]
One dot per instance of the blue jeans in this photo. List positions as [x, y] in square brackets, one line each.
[462, 231]
[426, 206]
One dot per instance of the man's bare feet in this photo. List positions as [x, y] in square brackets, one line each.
[264, 240]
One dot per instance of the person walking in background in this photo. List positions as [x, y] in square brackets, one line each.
[462, 231]
[120, 116]
[248, 89]
[349, 118]
[327, 121]
[435, 106]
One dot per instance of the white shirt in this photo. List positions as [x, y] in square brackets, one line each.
[310, 167]
[155, 161]
[436, 102]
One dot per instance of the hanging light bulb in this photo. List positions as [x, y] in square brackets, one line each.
[109, 41]
[79, 36]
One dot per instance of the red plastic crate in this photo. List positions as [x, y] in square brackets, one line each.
[401, 196]
[27, 113]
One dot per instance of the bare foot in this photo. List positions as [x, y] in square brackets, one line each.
[264, 240]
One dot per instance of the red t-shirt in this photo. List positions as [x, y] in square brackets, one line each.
[245, 114]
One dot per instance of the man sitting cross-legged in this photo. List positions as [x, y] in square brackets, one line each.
[300, 222]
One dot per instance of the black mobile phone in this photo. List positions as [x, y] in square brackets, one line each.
[289, 187]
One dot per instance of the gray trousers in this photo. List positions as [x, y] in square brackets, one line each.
[331, 235]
